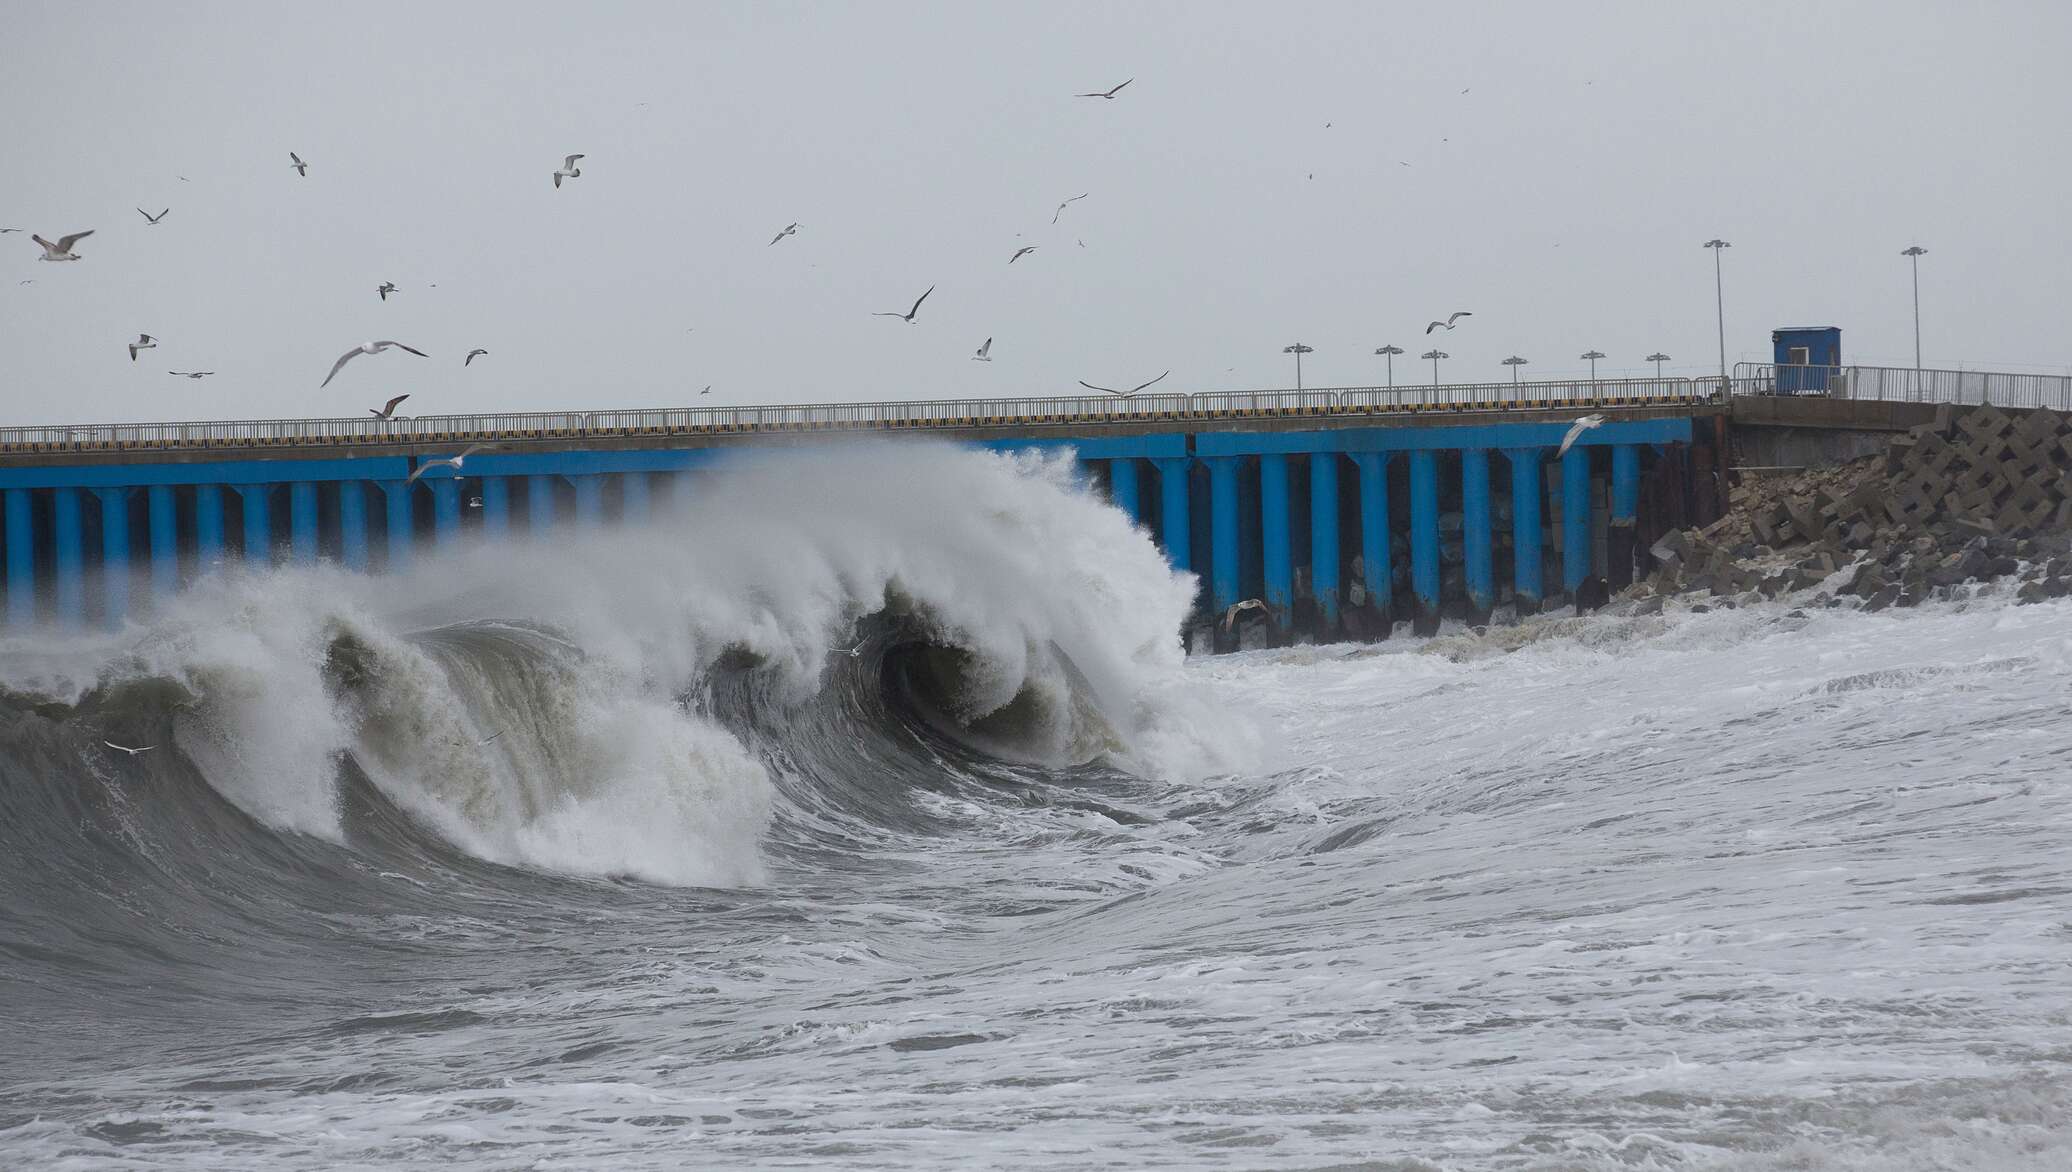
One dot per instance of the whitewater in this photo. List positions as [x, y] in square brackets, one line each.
[601, 851]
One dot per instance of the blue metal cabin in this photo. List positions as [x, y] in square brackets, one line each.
[1818, 347]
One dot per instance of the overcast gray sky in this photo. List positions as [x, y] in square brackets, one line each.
[1563, 197]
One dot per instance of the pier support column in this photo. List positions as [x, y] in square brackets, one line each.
[496, 506]
[208, 528]
[1323, 540]
[1527, 578]
[1277, 547]
[539, 504]
[401, 537]
[1625, 513]
[446, 511]
[165, 543]
[1377, 563]
[71, 556]
[1476, 546]
[1575, 518]
[302, 521]
[1223, 577]
[1424, 537]
[258, 524]
[115, 550]
[1174, 516]
[352, 523]
[633, 498]
[21, 560]
[1122, 486]
[589, 499]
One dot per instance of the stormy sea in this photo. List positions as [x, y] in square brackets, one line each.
[867, 813]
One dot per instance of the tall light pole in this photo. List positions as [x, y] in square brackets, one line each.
[1593, 356]
[1514, 362]
[1915, 254]
[1390, 352]
[1658, 358]
[1435, 356]
[1720, 299]
[1298, 350]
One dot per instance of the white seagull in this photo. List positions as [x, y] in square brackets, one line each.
[1576, 430]
[143, 342]
[569, 170]
[1061, 207]
[62, 250]
[908, 316]
[192, 373]
[454, 462]
[385, 288]
[388, 409]
[472, 355]
[300, 168]
[1021, 252]
[1110, 94]
[1120, 394]
[1230, 616]
[851, 652]
[364, 348]
[127, 749]
[151, 219]
[1448, 323]
[793, 230]
[984, 353]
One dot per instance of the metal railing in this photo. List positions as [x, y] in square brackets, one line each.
[885, 416]
[1906, 385]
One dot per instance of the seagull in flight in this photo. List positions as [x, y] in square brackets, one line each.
[1576, 430]
[127, 749]
[143, 342]
[1110, 94]
[489, 738]
[1230, 616]
[5, 231]
[1120, 394]
[388, 409]
[151, 219]
[192, 373]
[908, 316]
[851, 652]
[791, 230]
[472, 355]
[1021, 252]
[1061, 207]
[62, 250]
[707, 390]
[985, 352]
[385, 288]
[453, 462]
[1448, 323]
[569, 170]
[300, 168]
[364, 348]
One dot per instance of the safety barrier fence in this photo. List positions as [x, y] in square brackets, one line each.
[888, 416]
[1906, 385]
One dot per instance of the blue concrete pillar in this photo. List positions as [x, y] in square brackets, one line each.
[1575, 517]
[539, 503]
[115, 549]
[71, 556]
[165, 542]
[21, 560]
[258, 523]
[589, 499]
[633, 497]
[1223, 577]
[683, 487]
[1122, 485]
[401, 535]
[1174, 516]
[1526, 575]
[1376, 558]
[1424, 532]
[496, 506]
[1476, 546]
[1277, 549]
[1625, 482]
[446, 510]
[208, 528]
[1323, 538]
[302, 521]
[352, 523]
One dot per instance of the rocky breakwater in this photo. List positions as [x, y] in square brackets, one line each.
[1979, 495]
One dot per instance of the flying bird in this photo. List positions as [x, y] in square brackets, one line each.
[364, 348]
[707, 390]
[151, 219]
[1109, 94]
[1576, 430]
[388, 409]
[454, 462]
[5, 231]
[1120, 394]
[385, 288]
[127, 749]
[1230, 616]
[569, 170]
[1021, 252]
[472, 355]
[143, 342]
[791, 230]
[908, 316]
[300, 168]
[489, 738]
[62, 250]
[1448, 323]
[1061, 207]
[985, 352]
[851, 652]
[192, 373]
